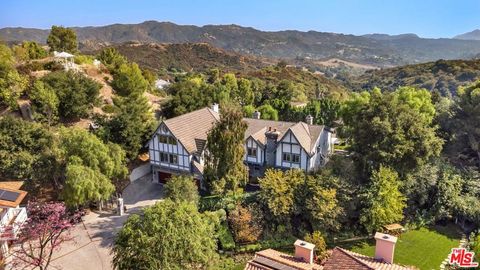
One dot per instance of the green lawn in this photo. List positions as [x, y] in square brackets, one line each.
[424, 248]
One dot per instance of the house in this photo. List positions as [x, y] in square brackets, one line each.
[12, 216]
[178, 144]
[340, 259]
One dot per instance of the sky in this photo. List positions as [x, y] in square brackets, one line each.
[427, 18]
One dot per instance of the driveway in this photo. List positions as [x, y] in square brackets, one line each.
[94, 236]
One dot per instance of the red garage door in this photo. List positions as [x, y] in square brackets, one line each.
[163, 177]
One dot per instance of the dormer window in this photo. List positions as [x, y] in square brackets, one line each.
[252, 151]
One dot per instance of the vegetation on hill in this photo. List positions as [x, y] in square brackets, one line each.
[445, 76]
[186, 57]
[381, 50]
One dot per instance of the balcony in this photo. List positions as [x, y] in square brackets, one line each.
[11, 221]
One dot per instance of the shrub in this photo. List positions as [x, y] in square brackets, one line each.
[83, 59]
[225, 238]
[181, 188]
[244, 226]
[317, 239]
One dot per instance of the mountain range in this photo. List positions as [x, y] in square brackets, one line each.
[473, 35]
[376, 49]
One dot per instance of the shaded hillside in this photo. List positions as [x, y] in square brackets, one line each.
[443, 75]
[187, 56]
[473, 35]
[379, 50]
[315, 84]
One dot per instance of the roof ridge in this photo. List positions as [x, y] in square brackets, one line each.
[351, 255]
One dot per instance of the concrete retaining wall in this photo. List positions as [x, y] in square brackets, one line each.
[140, 171]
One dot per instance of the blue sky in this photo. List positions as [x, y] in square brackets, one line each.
[427, 18]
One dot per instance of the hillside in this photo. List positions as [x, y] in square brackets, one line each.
[187, 56]
[443, 75]
[379, 50]
[473, 35]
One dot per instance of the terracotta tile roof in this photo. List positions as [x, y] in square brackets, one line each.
[342, 259]
[272, 259]
[190, 128]
[13, 186]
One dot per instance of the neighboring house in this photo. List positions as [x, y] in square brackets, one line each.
[340, 259]
[12, 216]
[178, 144]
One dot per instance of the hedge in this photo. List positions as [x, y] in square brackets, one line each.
[225, 238]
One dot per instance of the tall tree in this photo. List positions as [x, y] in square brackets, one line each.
[163, 238]
[62, 39]
[224, 168]
[128, 80]
[384, 203]
[278, 190]
[46, 229]
[387, 129]
[112, 59]
[12, 84]
[467, 122]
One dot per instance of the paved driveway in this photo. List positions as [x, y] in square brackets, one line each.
[94, 237]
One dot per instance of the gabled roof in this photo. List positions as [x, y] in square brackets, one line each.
[307, 135]
[342, 259]
[192, 128]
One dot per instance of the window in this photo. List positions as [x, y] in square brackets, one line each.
[290, 157]
[172, 141]
[252, 152]
[163, 157]
[295, 158]
[163, 139]
[168, 158]
[173, 159]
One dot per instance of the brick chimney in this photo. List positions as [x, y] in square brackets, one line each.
[385, 247]
[304, 250]
[256, 115]
[215, 108]
[309, 119]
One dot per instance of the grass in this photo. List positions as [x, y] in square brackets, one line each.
[424, 248]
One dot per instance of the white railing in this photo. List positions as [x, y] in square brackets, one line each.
[11, 222]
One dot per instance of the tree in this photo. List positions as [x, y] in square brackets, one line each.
[189, 95]
[224, 168]
[244, 227]
[45, 102]
[29, 50]
[45, 230]
[317, 239]
[112, 59]
[387, 129]
[12, 84]
[278, 190]
[90, 164]
[246, 95]
[320, 201]
[77, 94]
[27, 150]
[163, 238]
[467, 123]
[384, 203]
[181, 188]
[128, 80]
[268, 112]
[62, 39]
[84, 185]
[248, 111]
[131, 125]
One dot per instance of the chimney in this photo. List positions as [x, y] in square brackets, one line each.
[304, 250]
[256, 115]
[215, 108]
[309, 119]
[385, 247]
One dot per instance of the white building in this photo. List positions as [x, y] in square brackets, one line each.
[178, 144]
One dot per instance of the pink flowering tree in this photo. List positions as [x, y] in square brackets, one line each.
[46, 228]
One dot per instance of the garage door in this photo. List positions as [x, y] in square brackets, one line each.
[163, 177]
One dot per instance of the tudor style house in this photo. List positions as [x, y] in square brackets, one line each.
[178, 144]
